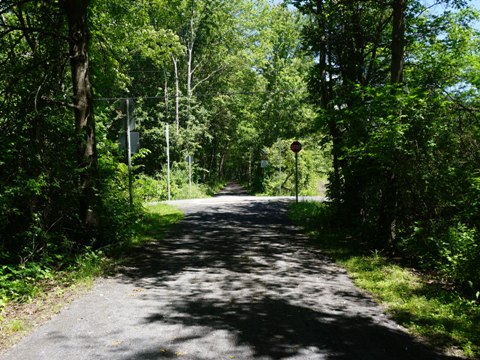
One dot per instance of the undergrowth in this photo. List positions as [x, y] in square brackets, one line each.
[22, 283]
[419, 302]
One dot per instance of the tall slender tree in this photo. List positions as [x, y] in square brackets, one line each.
[388, 214]
[76, 12]
[398, 40]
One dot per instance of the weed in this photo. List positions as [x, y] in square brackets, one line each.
[15, 325]
[25, 282]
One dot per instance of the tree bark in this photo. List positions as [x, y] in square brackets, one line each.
[398, 40]
[325, 95]
[166, 97]
[322, 58]
[389, 208]
[177, 95]
[76, 12]
[190, 69]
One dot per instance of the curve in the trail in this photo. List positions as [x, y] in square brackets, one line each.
[233, 189]
[234, 280]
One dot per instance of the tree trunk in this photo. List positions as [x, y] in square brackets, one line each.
[220, 167]
[177, 95]
[165, 94]
[325, 95]
[76, 12]
[322, 63]
[190, 70]
[389, 208]
[398, 40]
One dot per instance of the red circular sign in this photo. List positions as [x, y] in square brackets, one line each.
[296, 147]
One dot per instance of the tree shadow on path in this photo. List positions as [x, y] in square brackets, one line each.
[244, 270]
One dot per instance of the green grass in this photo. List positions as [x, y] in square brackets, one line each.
[26, 282]
[15, 326]
[34, 291]
[158, 218]
[441, 316]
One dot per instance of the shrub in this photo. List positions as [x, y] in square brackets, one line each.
[460, 255]
[451, 250]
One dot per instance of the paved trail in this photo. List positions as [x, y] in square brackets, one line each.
[233, 281]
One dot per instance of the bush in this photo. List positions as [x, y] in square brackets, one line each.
[21, 283]
[117, 217]
[148, 188]
[460, 255]
[453, 251]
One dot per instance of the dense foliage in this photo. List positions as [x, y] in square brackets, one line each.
[228, 77]
[389, 88]
[396, 87]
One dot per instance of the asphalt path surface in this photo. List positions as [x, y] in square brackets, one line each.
[234, 280]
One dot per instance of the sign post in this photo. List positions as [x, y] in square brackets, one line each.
[167, 137]
[279, 167]
[189, 161]
[296, 147]
[129, 141]
[129, 155]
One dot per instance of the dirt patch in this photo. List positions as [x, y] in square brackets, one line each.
[18, 320]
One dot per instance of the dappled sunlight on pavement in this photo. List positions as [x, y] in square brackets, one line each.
[234, 280]
[242, 281]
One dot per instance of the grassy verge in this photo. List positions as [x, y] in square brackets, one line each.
[31, 293]
[422, 304]
[155, 222]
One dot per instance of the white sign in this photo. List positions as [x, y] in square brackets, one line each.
[134, 141]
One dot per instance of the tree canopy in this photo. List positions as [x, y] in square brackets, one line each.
[384, 95]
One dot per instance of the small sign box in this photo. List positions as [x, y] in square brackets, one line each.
[134, 141]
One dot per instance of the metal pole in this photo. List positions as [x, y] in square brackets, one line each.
[296, 177]
[189, 176]
[167, 136]
[129, 155]
[279, 167]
